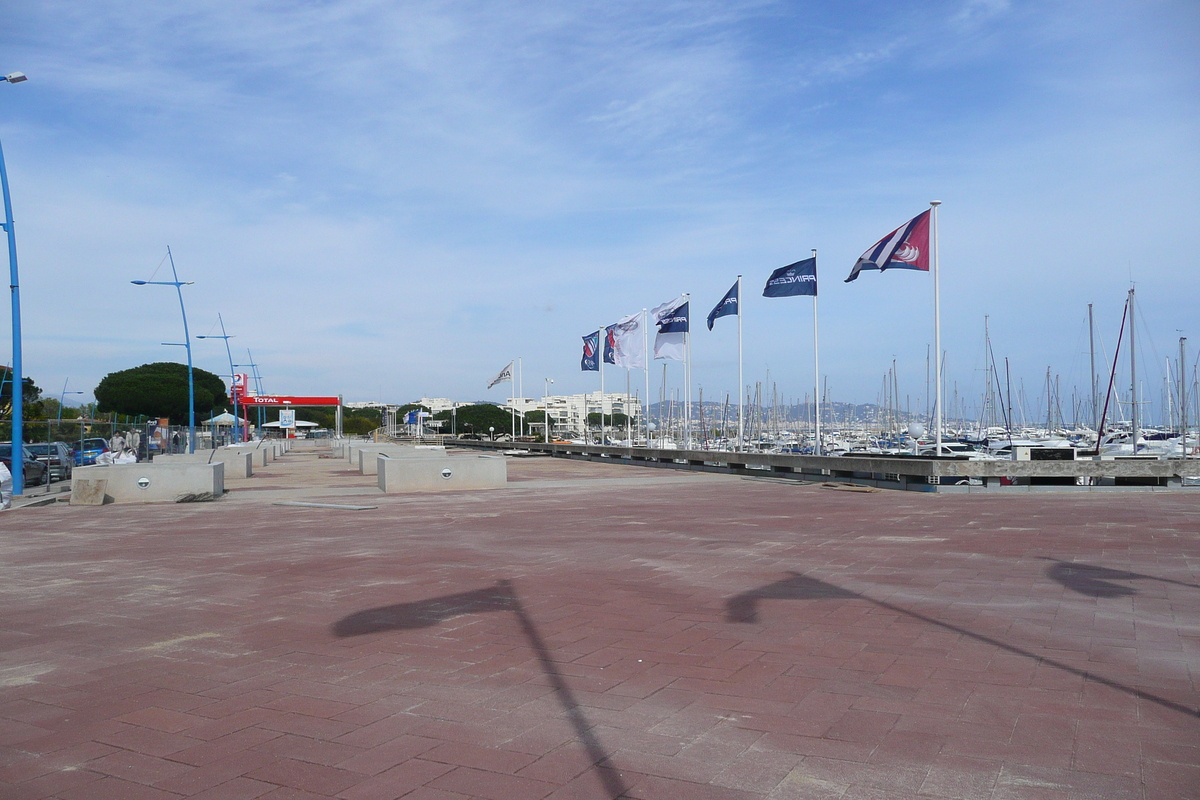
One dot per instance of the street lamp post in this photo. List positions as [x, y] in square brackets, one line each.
[546, 407]
[62, 397]
[18, 388]
[186, 344]
[257, 384]
[237, 420]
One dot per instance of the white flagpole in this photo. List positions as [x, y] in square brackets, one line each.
[521, 389]
[512, 402]
[741, 399]
[687, 373]
[601, 338]
[628, 416]
[937, 327]
[646, 351]
[818, 449]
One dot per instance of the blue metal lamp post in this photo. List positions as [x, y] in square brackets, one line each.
[237, 420]
[62, 397]
[257, 383]
[18, 388]
[187, 343]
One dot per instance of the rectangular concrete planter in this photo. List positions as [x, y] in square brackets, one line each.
[238, 463]
[441, 473]
[261, 455]
[367, 456]
[154, 482]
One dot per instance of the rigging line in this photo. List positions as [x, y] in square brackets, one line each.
[156, 269]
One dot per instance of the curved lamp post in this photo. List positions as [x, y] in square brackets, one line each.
[18, 388]
[257, 384]
[62, 397]
[187, 343]
[237, 420]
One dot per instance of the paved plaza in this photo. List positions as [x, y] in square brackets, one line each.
[601, 631]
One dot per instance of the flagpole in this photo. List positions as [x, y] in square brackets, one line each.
[817, 448]
[521, 389]
[687, 372]
[741, 399]
[937, 327]
[646, 355]
[601, 340]
[512, 404]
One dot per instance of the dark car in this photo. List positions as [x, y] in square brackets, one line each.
[91, 449]
[57, 456]
[35, 471]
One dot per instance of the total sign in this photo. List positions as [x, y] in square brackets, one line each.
[239, 385]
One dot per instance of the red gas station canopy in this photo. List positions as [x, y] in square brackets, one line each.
[288, 400]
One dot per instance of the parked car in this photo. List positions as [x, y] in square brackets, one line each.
[35, 471]
[57, 457]
[91, 449]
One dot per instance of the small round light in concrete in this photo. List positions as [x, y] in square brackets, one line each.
[446, 473]
[143, 482]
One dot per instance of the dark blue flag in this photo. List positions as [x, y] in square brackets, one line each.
[674, 320]
[727, 306]
[794, 279]
[591, 345]
[610, 345]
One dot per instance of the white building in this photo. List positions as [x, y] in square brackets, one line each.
[439, 404]
[568, 413]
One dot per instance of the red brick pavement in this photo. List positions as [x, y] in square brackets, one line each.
[596, 630]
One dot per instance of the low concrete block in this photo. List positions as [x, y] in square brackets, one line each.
[367, 456]
[88, 492]
[259, 454]
[153, 482]
[238, 463]
[441, 473]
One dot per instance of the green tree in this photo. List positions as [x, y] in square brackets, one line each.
[478, 418]
[31, 394]
[160, 390]
[617, 420]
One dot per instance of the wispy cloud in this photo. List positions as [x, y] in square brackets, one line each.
[431, 177]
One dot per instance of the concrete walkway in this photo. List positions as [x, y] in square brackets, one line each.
[600, 631]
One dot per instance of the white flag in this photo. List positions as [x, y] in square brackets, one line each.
[505, 375]
[672, 321]
[627, 342]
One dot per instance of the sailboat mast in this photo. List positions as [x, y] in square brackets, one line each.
[1092, 352]
[1133, 373]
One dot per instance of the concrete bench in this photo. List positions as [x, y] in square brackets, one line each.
[149, 482]
[441, 473]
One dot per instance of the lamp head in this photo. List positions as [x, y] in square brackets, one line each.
[138, 283]
[15, 77]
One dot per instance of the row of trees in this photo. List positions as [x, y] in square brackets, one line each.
[161, 390]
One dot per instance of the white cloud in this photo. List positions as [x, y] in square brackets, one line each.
[408, 195]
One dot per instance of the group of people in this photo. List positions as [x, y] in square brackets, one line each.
[122, 449]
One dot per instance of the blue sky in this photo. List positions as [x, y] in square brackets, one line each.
[392, 200]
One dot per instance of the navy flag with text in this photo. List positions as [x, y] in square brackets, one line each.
[591, 347]
[727, 306]
[794, 279]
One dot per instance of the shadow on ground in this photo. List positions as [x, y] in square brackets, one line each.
[743, 608]
[1093, 581]
[501, 597]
